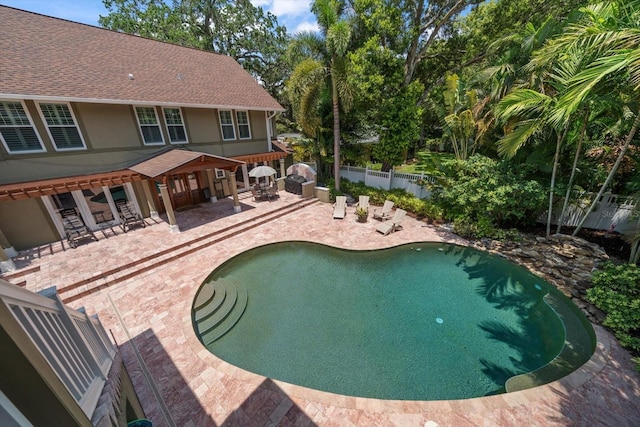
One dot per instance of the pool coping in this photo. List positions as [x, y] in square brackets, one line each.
[574, 380]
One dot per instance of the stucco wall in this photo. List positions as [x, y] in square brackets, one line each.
[107, 126]
[26, 223]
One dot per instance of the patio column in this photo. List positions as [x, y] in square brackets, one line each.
[8, 248]
[234, 192]
[146, 187]
[212, 189]
[166, 199]
[282, 171]
[6, 263]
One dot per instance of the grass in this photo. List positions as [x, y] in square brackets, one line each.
[427, 162]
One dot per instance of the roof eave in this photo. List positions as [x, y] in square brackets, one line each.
[134, 102]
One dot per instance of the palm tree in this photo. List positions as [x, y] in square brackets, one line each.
[529, 115]
[326, 67]
[609, 36]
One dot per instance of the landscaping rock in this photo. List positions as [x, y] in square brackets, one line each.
[565, 261]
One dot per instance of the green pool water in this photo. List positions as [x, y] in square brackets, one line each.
[425, 321]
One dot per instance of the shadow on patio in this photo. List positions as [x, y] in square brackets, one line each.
[168, 400]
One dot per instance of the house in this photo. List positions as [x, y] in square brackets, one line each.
[59, 366]
[91, 118]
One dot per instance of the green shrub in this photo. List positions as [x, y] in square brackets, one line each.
[481, 189]
[616, 291]
[401, 199]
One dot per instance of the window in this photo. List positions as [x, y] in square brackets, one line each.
[16, 130]
[219, 173]
[61, 126]
[149, 126]
[175, 126]
[244, 130]
[226, 124]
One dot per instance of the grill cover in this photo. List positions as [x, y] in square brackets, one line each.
[293, 184]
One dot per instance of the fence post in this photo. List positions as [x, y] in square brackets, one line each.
[390, 179]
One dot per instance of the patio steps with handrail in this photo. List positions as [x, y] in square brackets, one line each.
[121, 273]
[214, 317]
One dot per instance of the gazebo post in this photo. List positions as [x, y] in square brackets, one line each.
[212, 195]
[166, 199]
[234, 191]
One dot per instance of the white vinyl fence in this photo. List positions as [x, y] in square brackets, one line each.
[613, 212]
[388, 180]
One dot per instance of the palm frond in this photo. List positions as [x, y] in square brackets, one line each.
[509, 145]
[338, 38]
[523, 103]
[582, 84]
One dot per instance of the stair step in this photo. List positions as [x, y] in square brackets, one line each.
[205, 311]
[134, 269]
[205, 294]
[208, 324]
[230, 321]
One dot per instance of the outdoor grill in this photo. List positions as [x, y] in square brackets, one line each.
[293, 184]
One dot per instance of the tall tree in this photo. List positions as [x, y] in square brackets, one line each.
[234, 28]
[327, 68]
[608, 33]
[386, 107]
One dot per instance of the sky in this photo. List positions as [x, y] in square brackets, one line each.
[295, 15]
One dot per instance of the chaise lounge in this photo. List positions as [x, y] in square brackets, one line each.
[74, 228]
[385, 212]
[128, 216]
[391, 226]
[340, 207]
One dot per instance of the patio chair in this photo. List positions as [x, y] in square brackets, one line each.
[75, 229]
[363, 202]
[129, 217]
[340, 207]
[385, 212]
[391, 226]
[272, 192]
[256, 193]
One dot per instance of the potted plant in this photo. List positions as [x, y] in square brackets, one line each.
[362, 214]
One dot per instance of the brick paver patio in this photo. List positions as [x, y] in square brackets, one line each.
[142, 284]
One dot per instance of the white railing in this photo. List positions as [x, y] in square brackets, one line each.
[75, 345]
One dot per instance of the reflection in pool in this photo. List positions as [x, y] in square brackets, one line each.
[423, 321]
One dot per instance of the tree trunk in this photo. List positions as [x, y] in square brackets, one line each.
[614, 169]
[336, 133]
[573, 170]
[556, 159]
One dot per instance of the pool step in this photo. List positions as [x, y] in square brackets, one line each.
[212, 303]
[222, 304]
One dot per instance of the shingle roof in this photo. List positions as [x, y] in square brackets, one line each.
[172, 159]
[45, 57]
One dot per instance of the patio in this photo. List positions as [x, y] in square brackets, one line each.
[142, 285]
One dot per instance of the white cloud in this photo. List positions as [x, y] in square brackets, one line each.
[307, 26]
[290, 7]
[261, 3]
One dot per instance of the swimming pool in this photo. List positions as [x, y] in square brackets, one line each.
[424, 321]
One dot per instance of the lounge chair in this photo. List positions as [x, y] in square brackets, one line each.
[392, 225]
[363, 202]
[340, 207]
[129, 216]
[75, 229]
[385, 212]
